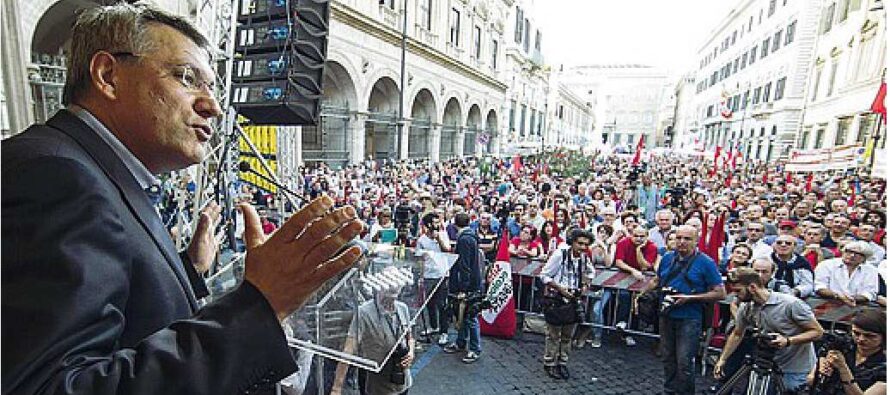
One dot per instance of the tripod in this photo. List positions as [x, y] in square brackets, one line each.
[761, 373]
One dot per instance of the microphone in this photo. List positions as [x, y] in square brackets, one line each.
[244, 166]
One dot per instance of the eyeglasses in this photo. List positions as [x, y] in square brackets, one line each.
[854, 253]
[755, 229]
[187, 75]
[784, 243]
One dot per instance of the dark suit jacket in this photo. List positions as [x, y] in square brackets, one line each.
[95, 298]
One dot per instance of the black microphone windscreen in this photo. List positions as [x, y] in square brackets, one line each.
[244, 166]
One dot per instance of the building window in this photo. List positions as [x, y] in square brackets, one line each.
[827, 18]
[789, 32]
[735, 66]
[526, 38]
[391, 4]
[477, 42]
[777, 41]
[512, 115]
[866, 124]
[494, 54]
[842, 11]
[745, 99]
[804, 139]
[734, 35]
[772, 8]
[522, 120]
[831, 77]
[744, 60]
[750, 23]
[817, 77]
[780, 88]
[538, 40]
[820, 133]
[518, 33]
[764, 49]
[756, 98]
[766, 90]
[454, 37]
[426, 14]
[843, 126]
[753, 56]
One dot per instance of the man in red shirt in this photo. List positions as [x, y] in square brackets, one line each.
[634, 254]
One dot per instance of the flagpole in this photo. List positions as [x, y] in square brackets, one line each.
[874, 142]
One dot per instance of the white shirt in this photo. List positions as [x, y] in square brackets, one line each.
[832, 274]
[877, 254]
[566, 275]
[761, 250]
[435, 262]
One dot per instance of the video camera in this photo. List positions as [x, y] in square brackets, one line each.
[838, 340]
[402, 219]
[764, 351]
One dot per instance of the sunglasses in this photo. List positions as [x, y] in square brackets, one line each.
[784, 243]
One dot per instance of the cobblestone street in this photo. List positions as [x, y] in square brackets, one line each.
[514, 367]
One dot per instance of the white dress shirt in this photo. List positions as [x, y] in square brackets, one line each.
[832, 274]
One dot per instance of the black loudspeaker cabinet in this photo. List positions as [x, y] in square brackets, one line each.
[280, 51]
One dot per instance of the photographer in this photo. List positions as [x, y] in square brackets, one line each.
[566, 275]
[870, 368]
[690, 279]
[784, 321]
[433, 239]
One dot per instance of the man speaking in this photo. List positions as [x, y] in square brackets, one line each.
[95, 298]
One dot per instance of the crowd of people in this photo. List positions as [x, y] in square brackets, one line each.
[98, 299]
[675, 218]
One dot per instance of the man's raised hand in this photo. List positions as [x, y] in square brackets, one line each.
[289, 266]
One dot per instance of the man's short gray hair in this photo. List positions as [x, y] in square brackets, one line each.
[665, 212]
[118, 28]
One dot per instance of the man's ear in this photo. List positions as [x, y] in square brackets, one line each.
[104, 73]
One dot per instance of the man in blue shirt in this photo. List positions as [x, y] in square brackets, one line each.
[696, 280]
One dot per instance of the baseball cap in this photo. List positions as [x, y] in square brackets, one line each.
[787, 223]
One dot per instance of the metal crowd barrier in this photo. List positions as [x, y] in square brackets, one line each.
[526, 270]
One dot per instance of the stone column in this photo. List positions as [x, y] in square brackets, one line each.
[296, 148]
[459, 141]
[435, 141]
[403, 139]
[357, 136]
[15, 80]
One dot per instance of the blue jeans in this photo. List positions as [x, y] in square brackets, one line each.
[596, 313]
[679, 343]
[623, 305]
[470, 329]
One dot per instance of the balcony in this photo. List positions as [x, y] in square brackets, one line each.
[453, 51]
[425, 36]
[391, 18]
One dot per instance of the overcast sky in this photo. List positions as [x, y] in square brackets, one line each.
[664, 33]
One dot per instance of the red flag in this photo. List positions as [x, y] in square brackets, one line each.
[716, 157]
[877, 106]
[728, 181]
[788, 178]
[852, 200]
[766, 175]
[517, 164]
[702, 244]
[716, 239]
[504, 247]
[639, 153]
[809, 186]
